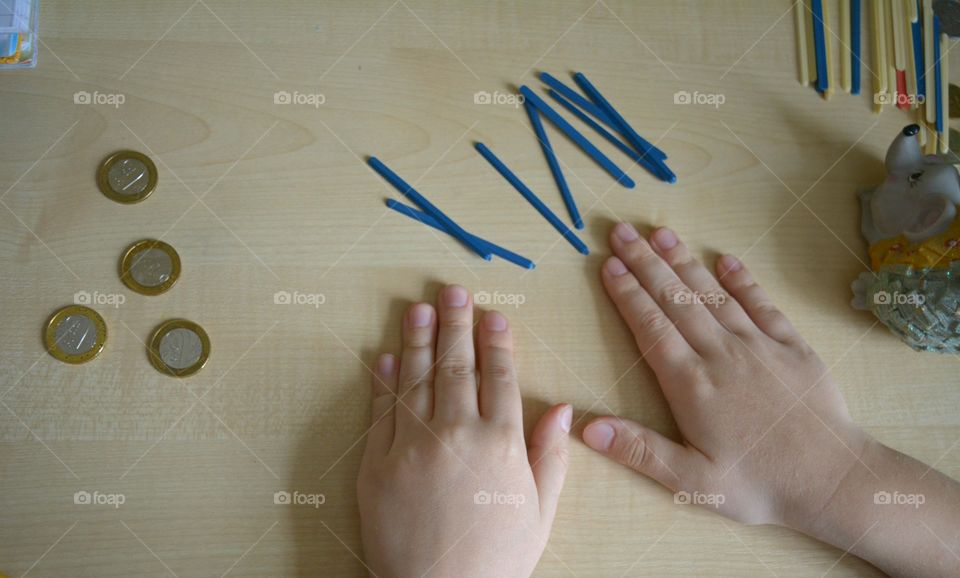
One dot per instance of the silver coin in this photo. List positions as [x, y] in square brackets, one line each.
[128, 176]
[151, 267]
[180, 348]
[76, 335]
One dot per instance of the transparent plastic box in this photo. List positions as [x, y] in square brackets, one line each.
[18, 33]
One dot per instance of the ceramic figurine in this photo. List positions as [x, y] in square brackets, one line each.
[910, 222]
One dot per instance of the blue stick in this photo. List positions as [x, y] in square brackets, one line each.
[426, 219]
[593, 109]
[428, 207]
[855, 45]
[532, 198]
[641, 160]
[937, 73]
[625, 129]
[578, 138]
[572, 96]
[918, 55]
[818, 45]
[554, 166]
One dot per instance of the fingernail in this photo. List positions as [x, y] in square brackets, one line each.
[730, 264]
[665, 238]
[566, 418]
[386, 364]
[615, 267]
[599, 436]
[420, 315]
[493, 321]
[626, 232]
[455, 296]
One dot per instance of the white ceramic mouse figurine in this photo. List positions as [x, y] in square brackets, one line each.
[910, 221]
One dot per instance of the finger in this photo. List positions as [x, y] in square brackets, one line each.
[692, 320]
[704, 285]
[754, 300]
[415, 387]
[549, 456]
[657, 338]
[640, 449]
[499, 391]
[455, 395]
[383, 404]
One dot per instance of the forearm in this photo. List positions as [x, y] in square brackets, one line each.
[895, 512]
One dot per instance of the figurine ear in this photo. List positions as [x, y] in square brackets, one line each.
[904, 156]
[934, 214]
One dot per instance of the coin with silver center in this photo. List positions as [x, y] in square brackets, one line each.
[127, 177]
[179, 348]
[75, 334]
[149, 267]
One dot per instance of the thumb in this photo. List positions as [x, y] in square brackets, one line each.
[639, 448]
[549, 456]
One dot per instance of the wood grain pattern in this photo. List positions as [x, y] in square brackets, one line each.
[286, 204]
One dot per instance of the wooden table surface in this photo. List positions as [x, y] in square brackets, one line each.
[260, 197]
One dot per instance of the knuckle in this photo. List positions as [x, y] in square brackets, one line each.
[676, 294]
[635, 452]
[500, 373]
[457, 322]
[456, 368]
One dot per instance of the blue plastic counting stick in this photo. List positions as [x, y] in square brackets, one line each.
[428, 207]
[819, 45]
[576, 99]
[855, 46]
[554, 165]
[532, 198]
[426, 219]
[626, 130]
[578, 138]
[642, 160]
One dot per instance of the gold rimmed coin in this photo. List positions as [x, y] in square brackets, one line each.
[149, 267]
[75, 334]
[127, 177]
[179, 348]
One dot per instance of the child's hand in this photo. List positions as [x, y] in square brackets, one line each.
[447, 485]
[767, 437]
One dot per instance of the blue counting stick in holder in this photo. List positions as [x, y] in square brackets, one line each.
[532, 198]
[426, 219]
[578, 138]
[428, 207]
[554, 165]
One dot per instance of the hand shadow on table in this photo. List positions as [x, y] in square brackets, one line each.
[327, 460]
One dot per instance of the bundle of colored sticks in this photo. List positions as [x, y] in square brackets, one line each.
[909, 60]
[593, 110]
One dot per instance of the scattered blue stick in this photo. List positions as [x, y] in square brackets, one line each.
[818, 45]
[554, 165]
[918, 54]
[428, 207]
[578, 138]
[641, 160]
[855, 45]
[532, 198]
[426, 219]
[626, 130]
[937, 73]
[575, 98]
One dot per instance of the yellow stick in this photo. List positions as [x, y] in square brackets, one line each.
[845, 53]
[802, 45]
[945, 92]
[880, 51]
[931, 103]
[899, 54]
[831, 75]
[911, 62]
[912, 11]
[811, 45]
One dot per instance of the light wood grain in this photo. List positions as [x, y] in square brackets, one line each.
[289, 205]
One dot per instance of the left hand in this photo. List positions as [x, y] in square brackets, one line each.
[448, 486]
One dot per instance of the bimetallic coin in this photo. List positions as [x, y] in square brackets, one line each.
[179, 348]
[75, 334]
[150, 267]
[127, 177]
